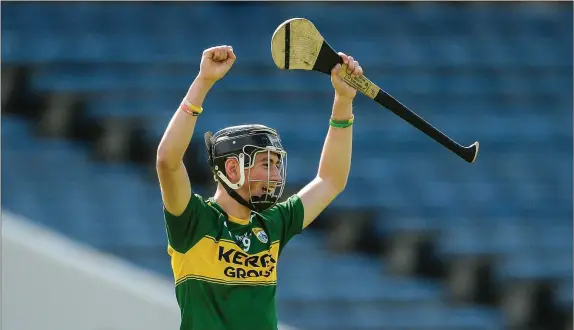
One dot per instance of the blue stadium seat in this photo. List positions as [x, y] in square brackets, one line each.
[529, 265]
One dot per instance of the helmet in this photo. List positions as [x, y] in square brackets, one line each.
[244, 142]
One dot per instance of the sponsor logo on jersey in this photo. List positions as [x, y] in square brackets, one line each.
[260, 234]
[244, 265]
[223, 261]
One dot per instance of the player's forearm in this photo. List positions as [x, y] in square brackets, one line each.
[335, 162]
[180, 129]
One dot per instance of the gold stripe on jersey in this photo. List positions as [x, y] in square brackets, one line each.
[224, 262]
[211, 280]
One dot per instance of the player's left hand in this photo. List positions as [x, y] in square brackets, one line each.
[342, 89]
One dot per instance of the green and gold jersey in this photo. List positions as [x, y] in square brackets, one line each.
[225, 269]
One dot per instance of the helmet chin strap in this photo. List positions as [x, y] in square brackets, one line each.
[238, 198]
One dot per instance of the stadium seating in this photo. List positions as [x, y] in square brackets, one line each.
[499, 74]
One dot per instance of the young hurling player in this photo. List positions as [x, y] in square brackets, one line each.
[224, 249]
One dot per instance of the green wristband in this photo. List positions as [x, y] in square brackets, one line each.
[342, 123]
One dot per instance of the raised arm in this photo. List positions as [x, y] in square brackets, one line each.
[173, 178]
[335, 162]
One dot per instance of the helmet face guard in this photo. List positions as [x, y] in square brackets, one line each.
[273, 189]
[244, 143]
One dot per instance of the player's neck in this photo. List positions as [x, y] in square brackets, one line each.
[230, 205]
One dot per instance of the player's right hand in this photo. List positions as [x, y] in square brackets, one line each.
[216, 62]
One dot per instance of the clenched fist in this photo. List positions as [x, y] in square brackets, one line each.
[216, 62]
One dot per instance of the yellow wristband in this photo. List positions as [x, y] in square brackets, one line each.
[190, 108]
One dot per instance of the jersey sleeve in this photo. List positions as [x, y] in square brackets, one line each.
[287, 219]
[185, 229]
